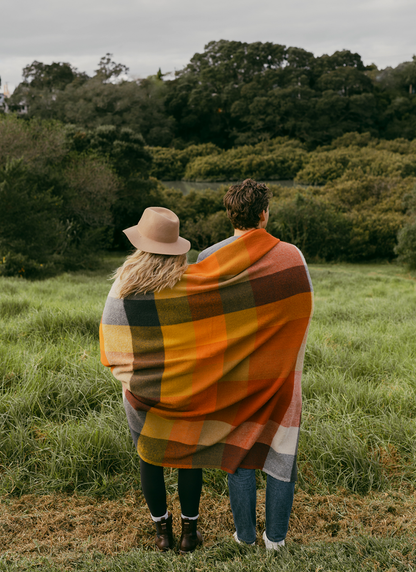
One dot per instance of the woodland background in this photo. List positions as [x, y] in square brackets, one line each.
[81, 156]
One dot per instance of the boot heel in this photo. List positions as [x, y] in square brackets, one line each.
[191, 537]
[164, 537]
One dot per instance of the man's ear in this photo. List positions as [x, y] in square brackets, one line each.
[262, 216]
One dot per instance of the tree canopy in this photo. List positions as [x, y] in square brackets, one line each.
[233, 93]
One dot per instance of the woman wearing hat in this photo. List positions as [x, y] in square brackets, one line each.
[158, 263]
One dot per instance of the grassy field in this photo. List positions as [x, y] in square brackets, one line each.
[69, 487]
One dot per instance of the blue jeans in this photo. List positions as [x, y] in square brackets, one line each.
[279, 500]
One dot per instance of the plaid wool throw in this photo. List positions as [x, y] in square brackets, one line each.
[211, 369]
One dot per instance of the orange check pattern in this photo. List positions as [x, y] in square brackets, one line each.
[211, 369]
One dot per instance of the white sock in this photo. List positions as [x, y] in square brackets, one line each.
[159, 518]
[190, 517]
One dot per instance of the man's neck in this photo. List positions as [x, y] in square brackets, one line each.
[239, 232]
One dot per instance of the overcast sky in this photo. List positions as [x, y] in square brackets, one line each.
[148, 34]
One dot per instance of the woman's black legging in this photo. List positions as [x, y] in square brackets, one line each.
[153, 487]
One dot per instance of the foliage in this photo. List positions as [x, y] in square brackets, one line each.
[312, 224]
[329, 165]
[373, 207]
[406, 239]
[30, 228]
[126, 152]
[58, 91]
[126, 104]
[38, 143]
[239, 93]
[406, 245]
[356, 215]
[233, 93]
[202, 215]
[57, 203]
[278, 159]
[169, 164]
[54, 76]
[208, 230]
[122, 147]
[109, 70]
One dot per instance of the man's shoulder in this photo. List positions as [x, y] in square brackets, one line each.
[211, 249]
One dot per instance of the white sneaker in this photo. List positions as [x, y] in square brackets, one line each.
[272, 545]
[239, 541]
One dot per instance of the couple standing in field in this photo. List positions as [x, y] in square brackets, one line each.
[210, 358]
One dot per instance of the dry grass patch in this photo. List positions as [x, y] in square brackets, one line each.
[66, 527]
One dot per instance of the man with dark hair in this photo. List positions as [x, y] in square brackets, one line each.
[245, 204]
[247, 207]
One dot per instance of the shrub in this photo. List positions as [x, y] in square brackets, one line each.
[353, 138]
[406, 239]
[21, 265]
[206, 231]
[400, 145]
[325, 166]
[167, 164]
[170, 164]
[123, 148]
[406, 245]
[194, 205]
[201, 214]
[30, 226]
[56, 203]
[38, 143]
[312, 224]
[131, 199]
[374, 208]
[373, 234]
[258, 162]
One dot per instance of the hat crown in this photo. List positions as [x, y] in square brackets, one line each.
[157, 232]
[159, 224]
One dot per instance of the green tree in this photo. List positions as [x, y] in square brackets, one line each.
[131, 160]
[109, 70]
[71, 192]
[30, 226]
[135, 105]
[55, 76]
[59, 91]
[406, 238]
[124, 148]
[42, 85]
[203, 94]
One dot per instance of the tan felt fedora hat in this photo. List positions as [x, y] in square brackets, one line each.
[158, 232]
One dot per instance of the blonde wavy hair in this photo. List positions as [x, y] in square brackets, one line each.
[144, 272]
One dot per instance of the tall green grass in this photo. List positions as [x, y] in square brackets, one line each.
[62, 423]
[359, 383]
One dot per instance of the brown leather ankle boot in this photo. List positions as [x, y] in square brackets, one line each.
[164, 537]
[191, 537]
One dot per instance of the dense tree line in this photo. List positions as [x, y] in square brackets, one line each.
[234, 93]
[67, 193]
[89, 155]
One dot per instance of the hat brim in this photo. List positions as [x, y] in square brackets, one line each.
[180, 246]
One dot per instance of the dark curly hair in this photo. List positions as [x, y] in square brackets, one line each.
[246, 202]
